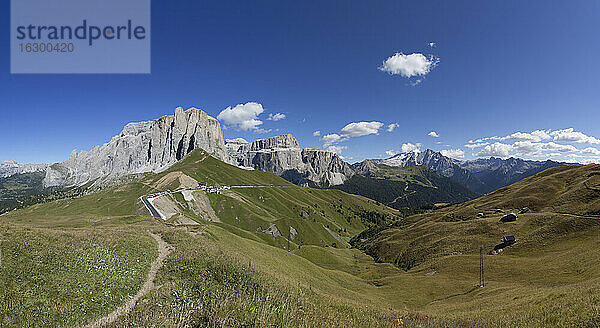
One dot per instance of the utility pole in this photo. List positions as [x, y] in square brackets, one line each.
[289, 235]
[481, 277]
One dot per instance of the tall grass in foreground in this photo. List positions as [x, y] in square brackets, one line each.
[61, 278]
[202, 287]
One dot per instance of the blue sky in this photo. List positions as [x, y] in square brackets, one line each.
[502, 67]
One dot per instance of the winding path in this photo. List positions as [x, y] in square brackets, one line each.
[163, 250]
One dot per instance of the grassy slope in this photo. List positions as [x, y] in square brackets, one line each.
[279, 202]
[64, 253]
[58, 277]
[546, 279]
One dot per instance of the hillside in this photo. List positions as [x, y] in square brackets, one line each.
[566, 196]
[554, 249]
[264, 204]
[404, 187]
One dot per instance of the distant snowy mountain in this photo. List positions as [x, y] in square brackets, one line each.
[8, 168]
[482, 175]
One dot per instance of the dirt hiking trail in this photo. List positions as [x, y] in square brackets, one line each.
[164, 250]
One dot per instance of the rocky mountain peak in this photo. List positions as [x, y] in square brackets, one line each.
[282, 141]
[365, 167]
[283, 156]
[150, 146]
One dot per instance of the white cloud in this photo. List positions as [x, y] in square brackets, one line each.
[415, 64]
[476, 145]
[432, 44]
[336, 149]
[483, 140]
[276, 117]
[591, 151]
[391, 152]
[433, 134]
[332, 138]
[453, 153]
[569, 135]
[496, 149]
[243, 116]
[535, 136]
[409, 147]
[560, 148]
[354, 129]
[547, 143]
[358, 129]
[527, 148]
[391, 127]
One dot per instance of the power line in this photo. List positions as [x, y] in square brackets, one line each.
[481, 276]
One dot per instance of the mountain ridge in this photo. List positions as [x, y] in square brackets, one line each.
[153, 146]
[481, 175]
[11, 167]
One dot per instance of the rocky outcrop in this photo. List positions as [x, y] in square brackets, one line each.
[283, 156]
[8, 168]
[282, 141]
[366, 167]
[150, 146]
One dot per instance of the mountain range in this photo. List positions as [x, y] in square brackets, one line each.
[8, 168]
[482, 175]
[154, 146]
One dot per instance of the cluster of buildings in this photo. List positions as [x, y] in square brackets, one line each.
[211, 189]
[203, 187]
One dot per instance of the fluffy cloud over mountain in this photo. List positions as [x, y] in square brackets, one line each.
[332, 138]
[336, 149]
[243, 116]
[351, 130]
[556, 144]
[453, 153]
[496, 149]
[570, 135]
[408, 147]
[359, 129]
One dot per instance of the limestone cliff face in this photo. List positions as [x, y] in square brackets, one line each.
[151, 146]
[282, 141]
[283, 156]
